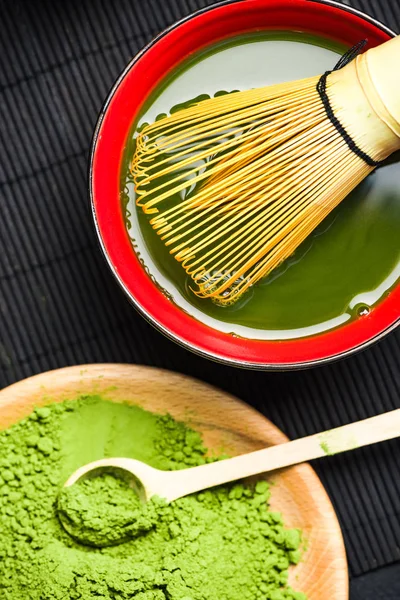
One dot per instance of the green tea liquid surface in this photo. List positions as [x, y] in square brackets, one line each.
[349, 263]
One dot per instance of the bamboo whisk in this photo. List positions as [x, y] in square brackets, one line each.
[237, 182]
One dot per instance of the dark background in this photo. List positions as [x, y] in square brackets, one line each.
[59, 304]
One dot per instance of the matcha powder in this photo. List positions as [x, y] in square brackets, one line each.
[220, 544]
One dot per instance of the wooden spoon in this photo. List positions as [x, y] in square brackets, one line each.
[172, 485]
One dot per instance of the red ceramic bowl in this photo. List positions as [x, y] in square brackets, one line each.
[327, 19]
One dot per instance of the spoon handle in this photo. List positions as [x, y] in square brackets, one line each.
[362, 433]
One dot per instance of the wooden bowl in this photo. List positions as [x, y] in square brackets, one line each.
[224, 422]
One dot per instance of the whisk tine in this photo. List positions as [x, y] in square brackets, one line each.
[235, 183]
[277, 211]
[230, 160]
[219, 229]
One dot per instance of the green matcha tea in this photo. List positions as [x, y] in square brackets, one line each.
[347, 265]
[224, 543]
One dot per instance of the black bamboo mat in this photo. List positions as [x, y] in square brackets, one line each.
[59, 304]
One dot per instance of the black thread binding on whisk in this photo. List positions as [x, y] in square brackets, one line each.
[321, 87]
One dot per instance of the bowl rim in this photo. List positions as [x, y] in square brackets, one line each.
[178, 337]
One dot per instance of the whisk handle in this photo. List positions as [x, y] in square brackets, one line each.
[378, 71]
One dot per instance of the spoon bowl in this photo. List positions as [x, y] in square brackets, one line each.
[131, 470]
[97, 536]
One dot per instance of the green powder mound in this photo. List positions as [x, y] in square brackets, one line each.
[221, 544]
[105, 510]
